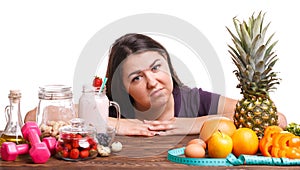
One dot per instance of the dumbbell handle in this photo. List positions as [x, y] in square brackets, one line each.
[23, 148]
[33, 137]
[14, 149]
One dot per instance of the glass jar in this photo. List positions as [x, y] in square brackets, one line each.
[94, 109]
[76, 141]
[55, 109]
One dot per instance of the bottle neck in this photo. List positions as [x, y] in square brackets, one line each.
[16, 111]
[14, 121]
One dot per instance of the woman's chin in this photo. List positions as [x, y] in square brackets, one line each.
[158, 103]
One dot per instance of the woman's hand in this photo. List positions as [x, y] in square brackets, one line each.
[282, 122]
[132, 127]
[176, 126]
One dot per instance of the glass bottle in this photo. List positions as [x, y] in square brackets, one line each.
[55, 109]
[12, 131]
[94, 109]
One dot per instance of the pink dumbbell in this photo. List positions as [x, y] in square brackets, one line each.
[50, 143]
[39, 151]
[10, 151]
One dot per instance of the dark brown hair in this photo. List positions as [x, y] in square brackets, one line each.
[120, 49]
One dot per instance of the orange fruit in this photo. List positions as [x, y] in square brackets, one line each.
[245, 141]
[211, 125]
[219, 145]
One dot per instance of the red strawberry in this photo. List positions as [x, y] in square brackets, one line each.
[75, 143]
[74, 154]
[97, 81]
[59, 146]
[64, 153]
[84, 153]
[68, 146]
[78, 136]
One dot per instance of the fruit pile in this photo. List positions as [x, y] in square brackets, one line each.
[219, 137]
[76, 147]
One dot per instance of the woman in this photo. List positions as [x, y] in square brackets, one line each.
[152, 98]
[143, 81]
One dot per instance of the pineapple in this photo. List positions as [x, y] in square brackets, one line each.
[254, 60]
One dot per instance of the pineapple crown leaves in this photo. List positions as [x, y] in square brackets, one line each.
[253, 56]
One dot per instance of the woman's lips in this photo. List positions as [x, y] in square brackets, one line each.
[155, 92]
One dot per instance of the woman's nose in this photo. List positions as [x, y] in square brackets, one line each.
[151, 80]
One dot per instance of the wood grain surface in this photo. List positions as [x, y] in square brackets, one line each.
[137, 153]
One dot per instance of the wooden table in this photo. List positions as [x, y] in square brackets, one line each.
[137, 153]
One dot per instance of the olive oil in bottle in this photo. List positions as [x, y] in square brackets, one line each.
[15, 139]
[12, 131]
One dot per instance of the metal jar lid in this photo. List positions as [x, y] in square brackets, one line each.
[55, 92]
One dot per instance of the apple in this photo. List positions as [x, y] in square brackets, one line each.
[214, 124]
[219, 145]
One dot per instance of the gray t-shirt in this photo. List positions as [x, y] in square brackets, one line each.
[188, 102]
[194, 102]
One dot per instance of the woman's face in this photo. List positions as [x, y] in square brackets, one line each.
[147, 79]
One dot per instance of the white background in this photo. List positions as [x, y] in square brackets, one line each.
[40, 41]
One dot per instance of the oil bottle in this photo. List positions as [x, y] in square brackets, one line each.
[12, 131]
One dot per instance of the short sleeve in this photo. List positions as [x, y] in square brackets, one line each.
[208, 103]
[194, 102]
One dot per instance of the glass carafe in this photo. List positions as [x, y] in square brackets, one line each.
[12, 131]
[94, 109]
[55, 109]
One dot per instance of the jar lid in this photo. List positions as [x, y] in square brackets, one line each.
[55, 92]
[77, 126]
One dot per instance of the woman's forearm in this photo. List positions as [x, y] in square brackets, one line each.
[226, 107]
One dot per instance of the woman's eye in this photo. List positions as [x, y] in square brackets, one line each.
[156, 67]
[137, 78]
